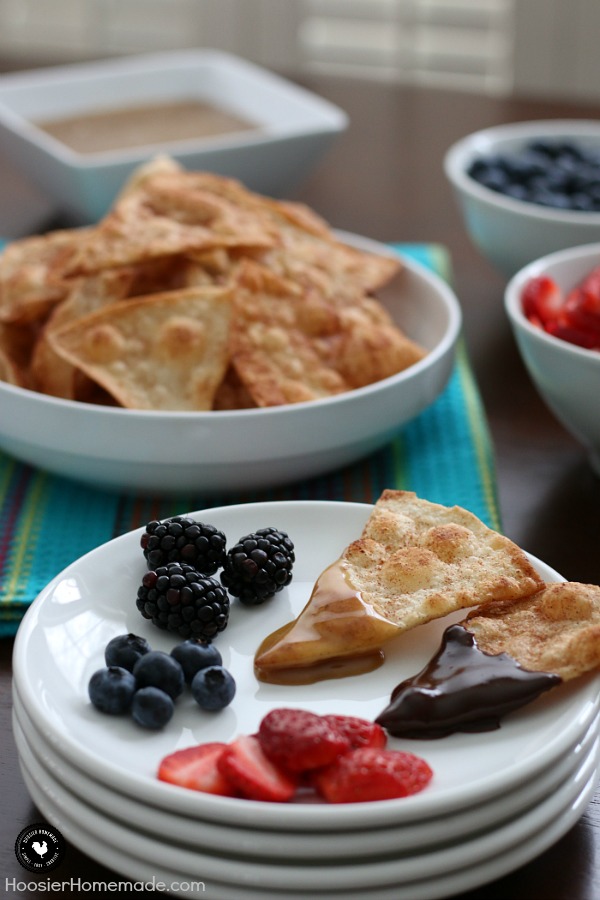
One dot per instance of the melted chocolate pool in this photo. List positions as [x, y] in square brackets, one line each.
[461, 689]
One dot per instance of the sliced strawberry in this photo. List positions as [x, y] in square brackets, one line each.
[370, 774]
[564, 330]
[578, 315]
[590, 291]
[244, 765]
[298, 740]
[196, 768]
[541, 299]
[359, 732]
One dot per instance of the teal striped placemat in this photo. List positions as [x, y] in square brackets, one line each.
[445, 455]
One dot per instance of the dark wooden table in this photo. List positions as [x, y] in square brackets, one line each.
[383, 179]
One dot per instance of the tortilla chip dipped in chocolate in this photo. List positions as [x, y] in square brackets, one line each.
[499, 658]
[415, 561]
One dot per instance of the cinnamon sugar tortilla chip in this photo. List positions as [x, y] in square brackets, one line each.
[232, 393]
[51, 373]
[165, 351]
[418, 561]
[368, 346]
[415, 561]
[304, 246]
[137, 230]
[304, 325]
[17, 343]
[272, 355]
[32, 277]
[557, 630]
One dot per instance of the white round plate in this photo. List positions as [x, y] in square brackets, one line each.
[76, 820]
[61, 641]
[255, 843]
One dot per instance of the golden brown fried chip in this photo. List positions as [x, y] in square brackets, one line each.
[32, 276]
[232, 393]
[368, 346]
[305, 325]
[273, 357]
[51, 373]
[138, 229]
[418, 560]
[415, 561]
[165, 351]
[557, 630]
[17, 343]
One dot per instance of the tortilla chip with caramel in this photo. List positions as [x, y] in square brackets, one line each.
[414, 562]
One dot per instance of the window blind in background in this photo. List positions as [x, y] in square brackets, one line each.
[536, 47]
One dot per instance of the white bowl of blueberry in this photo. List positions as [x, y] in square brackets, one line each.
[528, 189]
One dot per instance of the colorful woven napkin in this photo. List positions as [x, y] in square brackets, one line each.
[444, 455]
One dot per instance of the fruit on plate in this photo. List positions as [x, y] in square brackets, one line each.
[340, 759]
[125, 649]
[160, 670]
[183, 539]
[111, 689]
[299, 740]
[359, 732]
[177, 598]
[372, 773]
[250, 771]
[152, 708]
[573, 317]
[259, 565]
[213, 688]
[196, 768]
[195, 654]
[157, 679]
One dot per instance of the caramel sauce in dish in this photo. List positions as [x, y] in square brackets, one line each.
[136, 126]
[461, 689]
[337, 634]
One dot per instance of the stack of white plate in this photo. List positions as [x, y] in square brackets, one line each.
[496, 801]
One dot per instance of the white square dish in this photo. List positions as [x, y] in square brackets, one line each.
[290, 127]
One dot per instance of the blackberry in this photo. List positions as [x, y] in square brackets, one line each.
[181, 539]
[259, 565]
[177, 598]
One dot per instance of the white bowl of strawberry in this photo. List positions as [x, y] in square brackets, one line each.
[553, 305]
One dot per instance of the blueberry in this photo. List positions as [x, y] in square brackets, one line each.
[194, 655]
[125, 650]
[111, 690]
[213, 688]
[160, 670]
[152, 708]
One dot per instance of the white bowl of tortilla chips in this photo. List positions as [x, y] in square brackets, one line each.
[203, 337]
